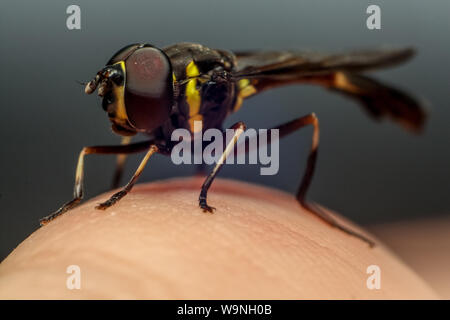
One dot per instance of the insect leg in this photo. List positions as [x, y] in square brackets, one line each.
[292, 126]
[79, 176]
[239, 129]
[120, 164]
[119, 195]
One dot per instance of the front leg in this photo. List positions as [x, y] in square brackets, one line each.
[79, 176]
[125, 190]
[239, 129]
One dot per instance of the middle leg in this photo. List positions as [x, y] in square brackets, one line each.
[120, 164]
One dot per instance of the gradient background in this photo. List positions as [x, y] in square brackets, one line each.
[370, 172]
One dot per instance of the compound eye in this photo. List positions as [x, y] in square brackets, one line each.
[147, 72]
[148, 88]
[123, 53]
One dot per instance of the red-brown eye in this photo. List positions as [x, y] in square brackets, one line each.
[148, 88]
[123, 53]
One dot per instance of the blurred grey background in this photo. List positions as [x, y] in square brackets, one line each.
[370, 172]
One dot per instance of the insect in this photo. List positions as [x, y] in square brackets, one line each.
[155, 91]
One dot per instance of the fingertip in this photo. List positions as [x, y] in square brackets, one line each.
[157, 243]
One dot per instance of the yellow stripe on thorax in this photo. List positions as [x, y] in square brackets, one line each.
[193, 97]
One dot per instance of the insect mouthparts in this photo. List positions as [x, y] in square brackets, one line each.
[90, 87]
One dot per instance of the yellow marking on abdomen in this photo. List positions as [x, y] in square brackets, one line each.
[245, 90]
[341, 82]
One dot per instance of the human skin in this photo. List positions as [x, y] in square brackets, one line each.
[157, 244]
[424, 244]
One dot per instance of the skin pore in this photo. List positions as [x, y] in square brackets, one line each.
[157, 244]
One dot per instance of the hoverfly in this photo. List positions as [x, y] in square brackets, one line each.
[155, 91]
